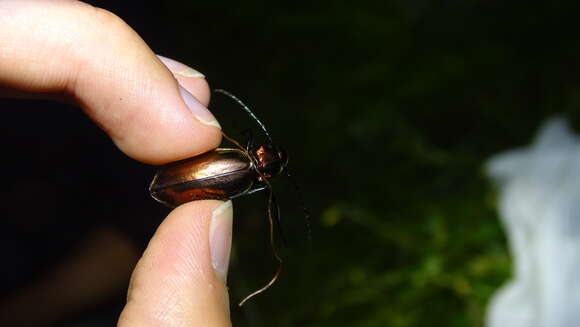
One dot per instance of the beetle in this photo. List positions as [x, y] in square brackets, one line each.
[221, 174]
[224, 174]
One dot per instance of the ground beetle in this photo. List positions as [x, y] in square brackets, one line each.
[224, 174]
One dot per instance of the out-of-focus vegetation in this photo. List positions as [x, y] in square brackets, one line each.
[388, 110]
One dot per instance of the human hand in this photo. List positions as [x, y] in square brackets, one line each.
[71, 51]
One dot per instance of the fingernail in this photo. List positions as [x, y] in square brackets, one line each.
[220, 238]
[180, 69]
[199, 111]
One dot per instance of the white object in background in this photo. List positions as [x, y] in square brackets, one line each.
[539, 204]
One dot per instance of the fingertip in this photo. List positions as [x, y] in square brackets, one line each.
[198, 87]
[189, 78]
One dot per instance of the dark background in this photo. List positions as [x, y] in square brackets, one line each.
[388, 110]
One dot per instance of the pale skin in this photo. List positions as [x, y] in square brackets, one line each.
[74, 52]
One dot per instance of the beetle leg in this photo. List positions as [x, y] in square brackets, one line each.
[257, 189]
[272, 215]
[250, 142]
[274, 212]
[251, 191]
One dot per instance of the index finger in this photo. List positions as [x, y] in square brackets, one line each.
[93, 57]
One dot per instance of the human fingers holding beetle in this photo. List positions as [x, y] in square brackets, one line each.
[155, 110]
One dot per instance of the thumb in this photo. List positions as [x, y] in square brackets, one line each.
[180, 280]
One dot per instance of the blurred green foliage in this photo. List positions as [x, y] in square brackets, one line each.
[388, 110]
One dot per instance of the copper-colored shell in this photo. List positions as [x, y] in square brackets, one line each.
[219, 174]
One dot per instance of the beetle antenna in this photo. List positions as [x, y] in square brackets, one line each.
[237, 144]
[273, 245]
[247, 109]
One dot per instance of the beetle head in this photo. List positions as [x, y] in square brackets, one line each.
[272, 160]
